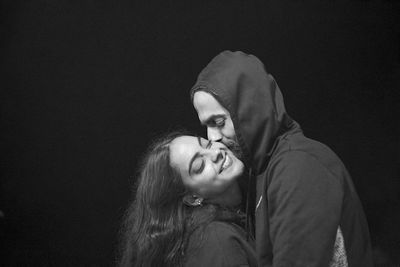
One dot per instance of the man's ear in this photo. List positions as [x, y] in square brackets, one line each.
[192, 200]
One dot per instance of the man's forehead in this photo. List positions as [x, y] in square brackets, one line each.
[207, 106]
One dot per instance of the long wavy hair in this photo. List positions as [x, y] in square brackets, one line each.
[157, 224]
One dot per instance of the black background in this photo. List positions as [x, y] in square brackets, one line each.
[85, 85]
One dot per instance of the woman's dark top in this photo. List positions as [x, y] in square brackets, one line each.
[220, 244]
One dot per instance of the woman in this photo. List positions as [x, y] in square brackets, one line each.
[185, 212]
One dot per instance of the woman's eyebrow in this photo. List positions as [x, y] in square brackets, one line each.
[199, 141]
[209, 144]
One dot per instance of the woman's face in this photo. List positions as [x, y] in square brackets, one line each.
[207, 168]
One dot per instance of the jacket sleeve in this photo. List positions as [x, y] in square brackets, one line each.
[219, 246]
[304, 205]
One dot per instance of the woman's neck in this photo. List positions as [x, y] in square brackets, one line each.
[231, 197]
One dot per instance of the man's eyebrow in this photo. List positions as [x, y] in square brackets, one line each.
[212, 118]
[196, 155]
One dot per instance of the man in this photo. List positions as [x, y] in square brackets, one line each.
[307, 212]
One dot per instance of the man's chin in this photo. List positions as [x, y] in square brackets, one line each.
[236, 150]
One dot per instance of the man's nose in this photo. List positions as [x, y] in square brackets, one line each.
[214, 134]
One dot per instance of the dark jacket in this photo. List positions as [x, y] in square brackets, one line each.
[303, 191]
[220, 244]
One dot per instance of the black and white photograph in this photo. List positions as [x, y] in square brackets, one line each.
[200, 133]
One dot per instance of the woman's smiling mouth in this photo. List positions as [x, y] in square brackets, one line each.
[227, 162]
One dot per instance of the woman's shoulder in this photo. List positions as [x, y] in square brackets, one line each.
[216, 232]
[224, 230]
[222, 243]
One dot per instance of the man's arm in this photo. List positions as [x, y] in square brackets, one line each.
[304, 203]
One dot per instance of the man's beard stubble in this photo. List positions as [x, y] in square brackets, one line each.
[235, 148]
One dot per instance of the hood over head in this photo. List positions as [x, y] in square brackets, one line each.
[240, 83]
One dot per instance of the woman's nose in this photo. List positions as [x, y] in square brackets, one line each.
[215, 154]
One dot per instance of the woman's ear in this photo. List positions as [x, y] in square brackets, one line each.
[192, 200]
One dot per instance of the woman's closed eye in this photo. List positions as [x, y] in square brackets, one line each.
[198, 165]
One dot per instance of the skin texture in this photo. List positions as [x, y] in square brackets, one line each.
[201, 165]
[216, 118]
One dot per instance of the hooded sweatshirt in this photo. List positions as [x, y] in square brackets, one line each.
[305, 201]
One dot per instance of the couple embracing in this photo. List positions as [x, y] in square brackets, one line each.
[257, 192]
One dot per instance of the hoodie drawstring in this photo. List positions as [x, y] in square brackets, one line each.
[250, 201]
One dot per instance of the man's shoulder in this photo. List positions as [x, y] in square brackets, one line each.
[295, 149]
[308, 163]
[299, 142]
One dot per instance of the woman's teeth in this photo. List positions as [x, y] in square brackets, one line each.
[227, 163]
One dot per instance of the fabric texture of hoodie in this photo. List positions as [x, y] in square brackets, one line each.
[304, 195]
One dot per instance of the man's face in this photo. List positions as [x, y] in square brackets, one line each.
[217, 120]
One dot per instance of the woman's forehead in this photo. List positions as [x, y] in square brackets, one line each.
[182, 149]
